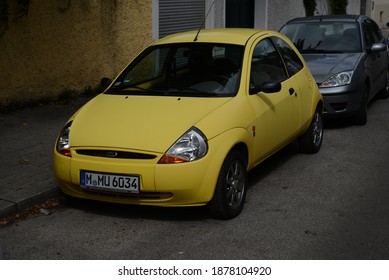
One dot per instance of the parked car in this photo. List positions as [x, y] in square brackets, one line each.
[348, 57]
[187, 118]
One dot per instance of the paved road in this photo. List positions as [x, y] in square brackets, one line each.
[332, 205]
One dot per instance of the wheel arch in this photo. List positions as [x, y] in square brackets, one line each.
[320, 105]
[241, 147]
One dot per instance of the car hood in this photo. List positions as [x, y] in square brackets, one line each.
[143, 123]
[323, 66]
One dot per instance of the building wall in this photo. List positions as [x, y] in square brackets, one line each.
[322, 7]
[381, 16]
[354, 7]
[51, 46]
[57, 45]
[216, 17]
[280, 11]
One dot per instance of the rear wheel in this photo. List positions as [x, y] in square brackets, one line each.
[310, 141]
[230, 191]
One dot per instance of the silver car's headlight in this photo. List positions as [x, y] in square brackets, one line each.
[189, 147]
[340, 79]
[63, 142]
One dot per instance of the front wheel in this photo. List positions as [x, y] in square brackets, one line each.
[310, 141]
[230, 190]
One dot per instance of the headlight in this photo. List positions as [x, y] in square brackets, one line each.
[191, 146]
[63, 142]
[340, 79]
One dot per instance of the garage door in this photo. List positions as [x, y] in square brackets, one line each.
[180, 15]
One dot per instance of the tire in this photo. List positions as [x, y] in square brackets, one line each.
[361, 117]
[230, 190]
[310, 141]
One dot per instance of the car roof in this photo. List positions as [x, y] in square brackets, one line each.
[238, 36]
[328, 18]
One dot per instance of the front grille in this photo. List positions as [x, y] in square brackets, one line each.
[115, 154]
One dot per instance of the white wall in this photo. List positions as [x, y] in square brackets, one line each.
[260, 14]
[381, 14]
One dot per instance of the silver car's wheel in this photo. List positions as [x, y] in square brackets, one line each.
[230, 191]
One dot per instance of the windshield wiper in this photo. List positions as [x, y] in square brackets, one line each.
[191, 92]
[137, 89]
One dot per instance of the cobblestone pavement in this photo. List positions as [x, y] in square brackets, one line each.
[27, 139]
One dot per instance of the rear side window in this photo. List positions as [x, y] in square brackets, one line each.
[291, 59]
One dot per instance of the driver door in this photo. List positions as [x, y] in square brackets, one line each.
[277, 114]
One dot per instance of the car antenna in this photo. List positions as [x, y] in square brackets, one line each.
[202, 24]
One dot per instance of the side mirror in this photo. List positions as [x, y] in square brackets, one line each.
[378, 48]
[105, 82]
[266, 87]
[387, 24]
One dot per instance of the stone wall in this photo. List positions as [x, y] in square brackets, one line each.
[48, 46]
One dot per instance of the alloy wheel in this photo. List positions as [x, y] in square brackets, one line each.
[235, 184]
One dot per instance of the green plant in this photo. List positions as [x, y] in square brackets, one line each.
[338, 7]
[310, 7]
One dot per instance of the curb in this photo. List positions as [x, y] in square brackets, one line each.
[9, 208]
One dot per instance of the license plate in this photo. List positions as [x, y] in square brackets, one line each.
[109, 182]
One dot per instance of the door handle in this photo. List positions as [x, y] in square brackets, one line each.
[291, 91]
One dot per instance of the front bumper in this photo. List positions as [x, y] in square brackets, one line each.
[184, 184]
[343, 100]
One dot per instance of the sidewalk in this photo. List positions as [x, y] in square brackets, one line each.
[27, 139]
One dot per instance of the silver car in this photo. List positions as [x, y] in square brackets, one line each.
[348, 57]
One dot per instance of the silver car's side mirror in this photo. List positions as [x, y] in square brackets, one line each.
[378, 48]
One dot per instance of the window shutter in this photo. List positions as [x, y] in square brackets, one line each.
[180, 15]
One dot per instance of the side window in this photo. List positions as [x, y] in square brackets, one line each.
[371, 33]
[291, 59]
[266, 64]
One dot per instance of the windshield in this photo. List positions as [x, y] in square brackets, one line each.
[324, 37]
[192, 69]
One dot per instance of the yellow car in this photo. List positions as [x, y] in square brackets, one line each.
[188, 118]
